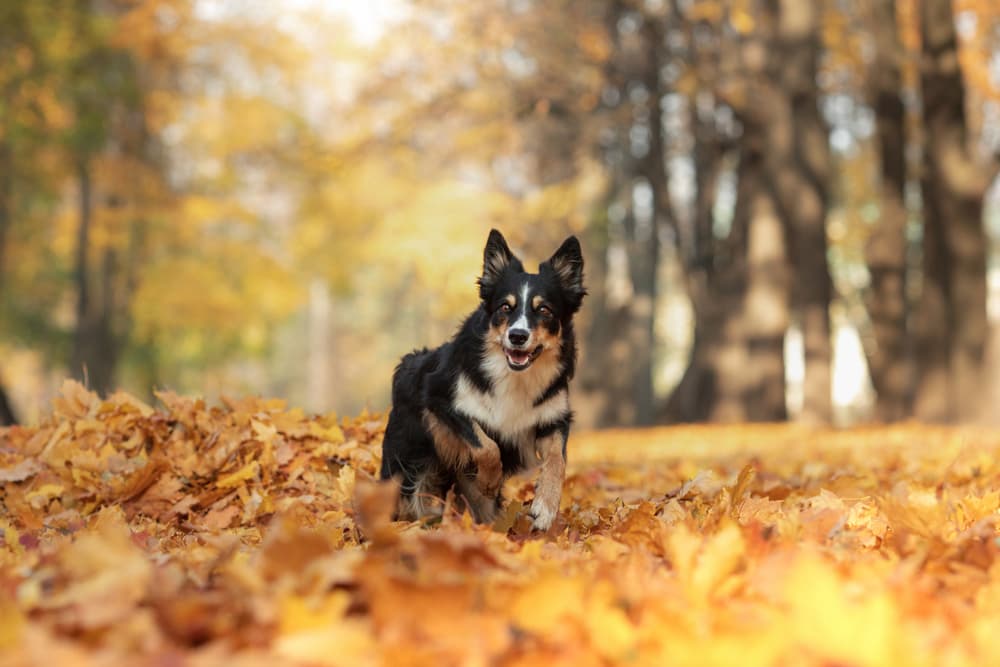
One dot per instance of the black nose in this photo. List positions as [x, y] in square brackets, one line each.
[518, 336]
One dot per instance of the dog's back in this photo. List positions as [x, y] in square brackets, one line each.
[407, 448]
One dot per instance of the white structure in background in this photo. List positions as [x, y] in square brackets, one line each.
[795, 370]
[852, 392]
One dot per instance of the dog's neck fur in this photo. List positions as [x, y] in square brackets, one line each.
[508, 406]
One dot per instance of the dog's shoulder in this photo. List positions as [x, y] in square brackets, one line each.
[430, 371]
[412, 372]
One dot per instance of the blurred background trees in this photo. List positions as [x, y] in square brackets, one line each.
[788, 208]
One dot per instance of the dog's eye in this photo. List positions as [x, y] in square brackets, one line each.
[545, 310]
[506, 308]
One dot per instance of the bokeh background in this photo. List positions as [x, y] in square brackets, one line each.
[788, 208]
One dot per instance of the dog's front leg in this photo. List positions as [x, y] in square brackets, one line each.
[548, 489]
[489, 466]
[483, 507]
[459, 440]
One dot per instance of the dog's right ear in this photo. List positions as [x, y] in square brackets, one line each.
[497, 257]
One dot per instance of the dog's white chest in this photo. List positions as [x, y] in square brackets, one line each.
[508, 408]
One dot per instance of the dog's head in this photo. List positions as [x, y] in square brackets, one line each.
[530, 311]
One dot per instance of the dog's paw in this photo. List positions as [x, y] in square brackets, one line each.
[542, 514]
[489, 475]
[489, 485]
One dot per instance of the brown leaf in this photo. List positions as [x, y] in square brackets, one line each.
[374, 505]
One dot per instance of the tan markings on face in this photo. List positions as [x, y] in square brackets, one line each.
[495, 338]
[542, 336]
[498, 331]
[546, 363]
[547, 339]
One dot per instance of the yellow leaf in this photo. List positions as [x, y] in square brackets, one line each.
[11, 624]
[247, 472]
[332, 434]
[43, 494]
[837, 623]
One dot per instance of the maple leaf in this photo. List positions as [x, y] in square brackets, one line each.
[248, 533]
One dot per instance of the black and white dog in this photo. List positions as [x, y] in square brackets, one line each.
[494, 400]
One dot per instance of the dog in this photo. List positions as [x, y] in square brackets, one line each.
[494, 400]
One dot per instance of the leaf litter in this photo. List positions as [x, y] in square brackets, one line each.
[253, 534]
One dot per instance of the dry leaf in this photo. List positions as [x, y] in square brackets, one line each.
[249, 534]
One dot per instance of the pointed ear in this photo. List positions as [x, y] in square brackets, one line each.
[567, 265]
[497, 257]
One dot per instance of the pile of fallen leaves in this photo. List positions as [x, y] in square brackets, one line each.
[250, 534]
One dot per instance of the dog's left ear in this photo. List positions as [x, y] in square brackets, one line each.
[496, 258]
[567, 265]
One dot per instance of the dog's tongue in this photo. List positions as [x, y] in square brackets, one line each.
[518, 357]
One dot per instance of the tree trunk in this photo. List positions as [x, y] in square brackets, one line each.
[644, 236]
[95, 353]
[619, 386]
[885, 252]
[643, 256]
[711, 388]
[799, 169]
[951, 320]
[765, 307]
[82, 337]
[103, 358]
[886, 300]
[604, 378]
[6, 192]
[7, 416]
[740, 299]
[715, 276]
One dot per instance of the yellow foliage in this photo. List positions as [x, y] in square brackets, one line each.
[240, 291]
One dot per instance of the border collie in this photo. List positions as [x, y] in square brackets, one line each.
[494, 400]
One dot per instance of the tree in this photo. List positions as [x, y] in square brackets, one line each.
[799, 169]
[951, 322]
[886, 299]
[745, 288]
[104, 96]
[638, 181]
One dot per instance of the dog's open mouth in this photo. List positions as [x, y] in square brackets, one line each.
[521, 359]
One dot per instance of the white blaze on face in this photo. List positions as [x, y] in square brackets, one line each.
[522, 319]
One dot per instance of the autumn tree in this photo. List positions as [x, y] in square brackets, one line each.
[102, 92]
[22, 45]
[636, 212]
[769, 265]
[887, 302]
[951, 323]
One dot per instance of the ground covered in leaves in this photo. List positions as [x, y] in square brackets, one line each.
[250, 534]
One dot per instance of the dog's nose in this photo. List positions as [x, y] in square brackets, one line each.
[518, 336]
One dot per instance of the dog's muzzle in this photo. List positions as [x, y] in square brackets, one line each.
[519, 360]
